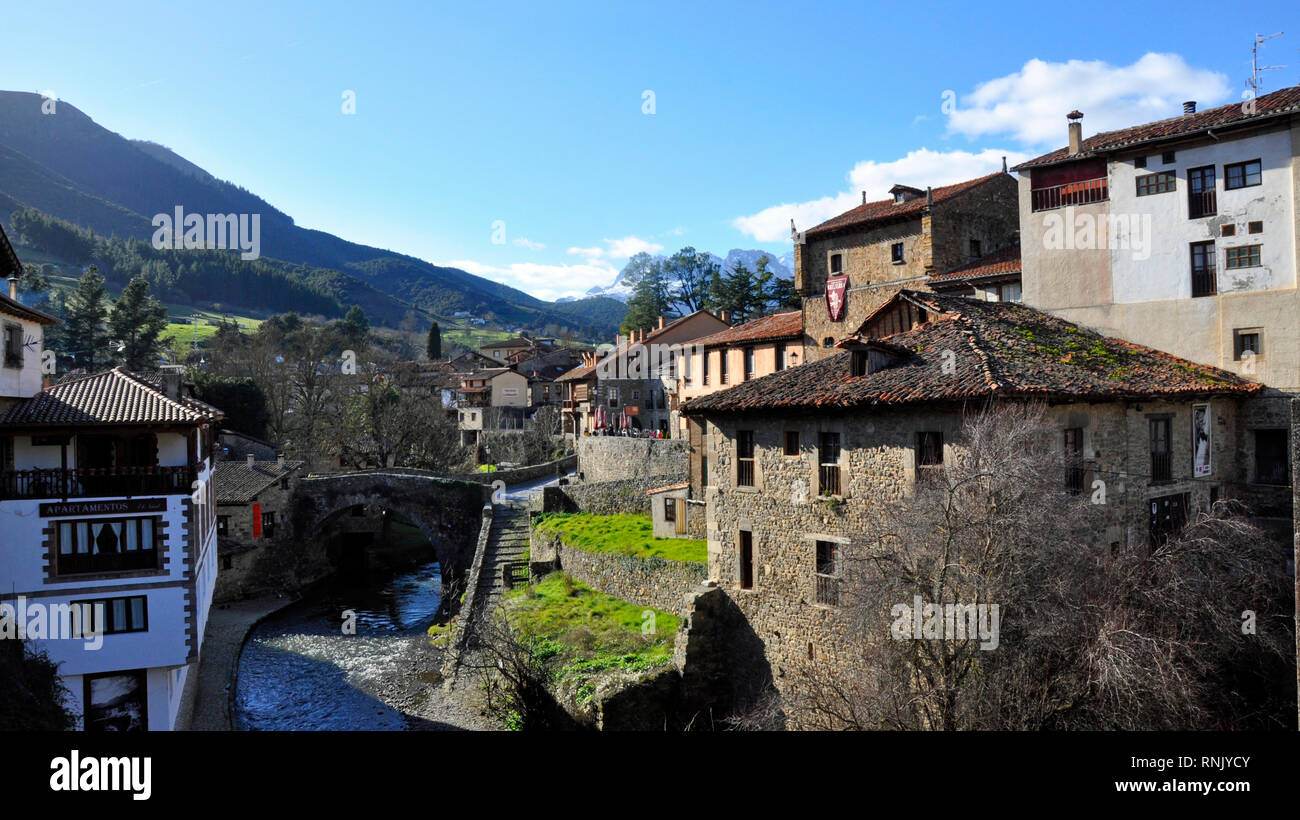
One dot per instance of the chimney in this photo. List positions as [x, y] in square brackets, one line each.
[251, 459]
[279, 461]
[722, 314]
[1189, 107]
[13, 288]
[1076, 131]
[171, 382]
[864, 197]
[929, 196]
[661, 322]
[1004, 165]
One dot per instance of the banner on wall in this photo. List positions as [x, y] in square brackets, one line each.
[837, 292]
[1201, 440]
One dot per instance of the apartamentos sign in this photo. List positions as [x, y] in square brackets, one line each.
[140, 505]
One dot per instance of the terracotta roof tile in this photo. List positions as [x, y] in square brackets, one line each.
[777, 326]
[998, 349]
[1278, 103]
[886, 209]
[113, 397]
[1005, 262]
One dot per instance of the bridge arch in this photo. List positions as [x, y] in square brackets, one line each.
[446, 511]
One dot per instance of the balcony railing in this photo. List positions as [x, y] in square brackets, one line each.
[1204, 282]
[1083, 192]
[1161, 467]
[95, 482]
[828, 479]
[828, 590]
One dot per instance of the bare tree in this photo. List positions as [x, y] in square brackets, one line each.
[1084, 637]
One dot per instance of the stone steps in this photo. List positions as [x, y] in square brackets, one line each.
[508, 541]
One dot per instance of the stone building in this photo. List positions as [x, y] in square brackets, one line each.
[252, 499]
[865, 255]
[793, 465]
[994, 277]
[491, 399]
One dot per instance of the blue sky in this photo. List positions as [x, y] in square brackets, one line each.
[469, 115]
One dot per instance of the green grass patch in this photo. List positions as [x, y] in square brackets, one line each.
[622, 534]
[579, 633]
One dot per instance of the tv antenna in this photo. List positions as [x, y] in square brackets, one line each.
[1254, 84]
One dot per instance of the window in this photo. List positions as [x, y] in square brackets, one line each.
[268, 525]
[896, 253]
[613, 397]
[828, 463]
[1200, 192]
[13, 345]
[670, 509]
[746, 559]
[723, 376]
[119, 615]
[975, 248]
[636, 395]
[1168, 514]
[704, 371]
[1255, 227]
[1271, 462]
[1242, 174]
[781, 357]
[1228, 230]
[1139, 162]
[828, 590]
[227, 563]
[1074, 460]
[106, 545]
[829, 341]
[1161, 458]
[1167, 157]
[223, 525]
[1245, 256]
[1204, 276]
[836, 264]
[116, 702]
[792, 442]
[929, 455]
[1158, 183]
[749, 363]
[744, 458]
[1247, 339]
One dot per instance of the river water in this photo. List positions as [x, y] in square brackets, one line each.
[299, 670]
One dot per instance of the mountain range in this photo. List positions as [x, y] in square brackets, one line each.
[69, 167]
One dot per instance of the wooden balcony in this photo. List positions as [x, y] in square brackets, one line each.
[95, 482]
[1083, 192]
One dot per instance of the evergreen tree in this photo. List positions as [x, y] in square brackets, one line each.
[433, 346]
[136, 323]
[84, 313]
[33, 697]
[650, 299]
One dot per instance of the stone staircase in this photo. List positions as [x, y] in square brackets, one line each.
[507, 543]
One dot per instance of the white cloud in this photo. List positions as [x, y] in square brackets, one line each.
[525, 242]
[919, 169]
[1030, 105]
[547, 282]
[623, 248]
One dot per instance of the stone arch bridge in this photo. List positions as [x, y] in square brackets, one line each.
[447, 511]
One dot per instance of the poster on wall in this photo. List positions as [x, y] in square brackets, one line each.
[837, 291]
[1201, 440]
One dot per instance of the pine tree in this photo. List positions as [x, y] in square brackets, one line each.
[650, 300]
[136, 323]
[433, 346]
[85, 311]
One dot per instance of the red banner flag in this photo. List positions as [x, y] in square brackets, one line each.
[837, 293]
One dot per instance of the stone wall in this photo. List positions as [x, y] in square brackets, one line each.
[605, 497]
[612, 458]
[652, 582]
[786, 518]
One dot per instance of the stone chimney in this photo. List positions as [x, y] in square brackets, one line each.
[251, 460]
[1076, 131]
[864, 197]
[661, 322]
[722, 314]
[172, 382]
[279, 461]
[13, 288]
[1189, 107]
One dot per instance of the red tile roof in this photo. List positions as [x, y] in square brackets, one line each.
[887, 209]
[777, 326]
[1277, 104]
[678, 486]
[113, 397]
[1001, 349]
[1005, 262]
[589, 370]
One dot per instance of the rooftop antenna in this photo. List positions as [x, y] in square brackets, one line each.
[1254, 84]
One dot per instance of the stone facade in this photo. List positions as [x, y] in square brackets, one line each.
[613, 458]
[652, 582]
[934, 240]
[786, 518]
[604, 497]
